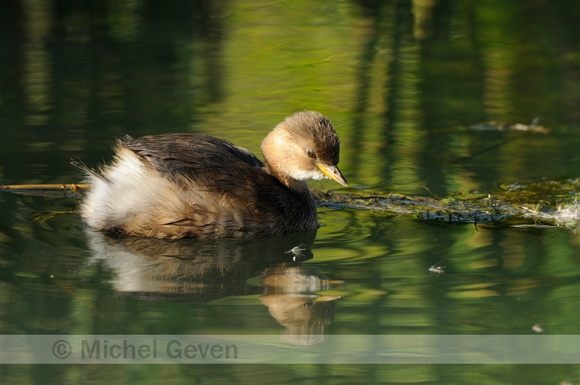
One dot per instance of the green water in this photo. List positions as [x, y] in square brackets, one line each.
[403, 82]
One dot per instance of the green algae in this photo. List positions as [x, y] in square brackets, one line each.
[551, 201]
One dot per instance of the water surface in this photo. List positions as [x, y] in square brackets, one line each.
[403, 82]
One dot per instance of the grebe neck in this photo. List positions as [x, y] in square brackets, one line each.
[299, 186]
[280, 150]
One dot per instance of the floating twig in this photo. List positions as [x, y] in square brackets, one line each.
[68, 189]
[44, 187]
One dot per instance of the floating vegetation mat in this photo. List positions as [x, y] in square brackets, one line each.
[547, 204]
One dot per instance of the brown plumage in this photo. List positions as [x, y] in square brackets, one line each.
[197, 186]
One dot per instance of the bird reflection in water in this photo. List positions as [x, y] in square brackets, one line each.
[290, 295]
[197, 271]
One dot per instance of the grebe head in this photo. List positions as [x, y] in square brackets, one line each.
[304, 146]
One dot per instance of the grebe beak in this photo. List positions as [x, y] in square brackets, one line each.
[333, 173]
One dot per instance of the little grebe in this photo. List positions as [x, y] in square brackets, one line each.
[197, 186]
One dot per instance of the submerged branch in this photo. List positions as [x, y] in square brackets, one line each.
[466, 211]
[550, 202]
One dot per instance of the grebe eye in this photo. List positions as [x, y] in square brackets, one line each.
[311, 154]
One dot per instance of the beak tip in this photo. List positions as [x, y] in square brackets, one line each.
[333, 173]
